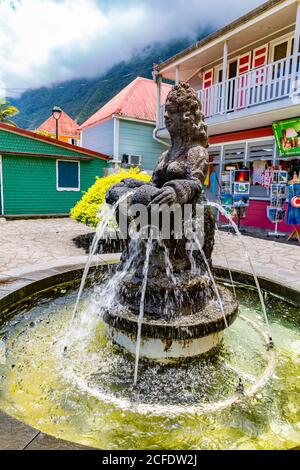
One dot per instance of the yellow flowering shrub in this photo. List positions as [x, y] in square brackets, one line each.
[87, 209]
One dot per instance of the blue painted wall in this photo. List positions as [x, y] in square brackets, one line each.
[137, 138]
[100, 137]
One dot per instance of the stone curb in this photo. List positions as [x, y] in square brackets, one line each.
[16, 285]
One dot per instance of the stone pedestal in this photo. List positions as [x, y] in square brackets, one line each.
[185, 337]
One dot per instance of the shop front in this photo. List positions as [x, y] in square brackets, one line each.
[272, 157]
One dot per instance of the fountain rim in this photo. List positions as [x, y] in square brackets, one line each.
[19, 289]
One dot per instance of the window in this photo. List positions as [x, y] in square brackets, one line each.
[260, 150]
[214, 154]
[67, 175]
[125, 159]
[234, 153]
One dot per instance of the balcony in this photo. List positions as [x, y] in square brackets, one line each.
[249, 93]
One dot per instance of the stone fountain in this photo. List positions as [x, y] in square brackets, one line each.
[183, 311]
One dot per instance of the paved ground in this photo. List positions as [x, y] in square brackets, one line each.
[32, 242]
[26, 245]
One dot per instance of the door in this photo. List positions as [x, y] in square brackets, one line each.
[281, 68]
[280, 50]
[232, 73]
[259, 77]
[219, 88]
[280, 53]
[244, 66]
[260, 59]
[208, 80]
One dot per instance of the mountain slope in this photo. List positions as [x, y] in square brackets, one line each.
[81, 98]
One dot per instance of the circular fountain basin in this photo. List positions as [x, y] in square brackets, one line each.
[88, 397]
[165, 341]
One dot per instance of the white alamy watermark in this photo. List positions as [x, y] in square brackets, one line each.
[164, 222]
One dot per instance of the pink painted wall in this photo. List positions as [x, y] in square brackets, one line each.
[256, 216]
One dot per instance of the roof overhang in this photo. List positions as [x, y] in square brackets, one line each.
[265, 20]
[74, 148]
[45, 155]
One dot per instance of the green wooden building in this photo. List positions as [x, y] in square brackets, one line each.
[43, 176]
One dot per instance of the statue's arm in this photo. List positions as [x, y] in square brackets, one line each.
[116, 191]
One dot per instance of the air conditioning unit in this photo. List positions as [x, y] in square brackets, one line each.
[135, 160]
[131, 160]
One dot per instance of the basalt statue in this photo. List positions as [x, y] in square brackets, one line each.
[177, 179]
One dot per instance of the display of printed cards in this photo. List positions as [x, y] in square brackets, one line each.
[241, 188]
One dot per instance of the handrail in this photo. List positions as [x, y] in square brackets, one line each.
[261, 85]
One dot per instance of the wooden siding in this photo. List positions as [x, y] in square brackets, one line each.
[99, 137]
[29, 185]
[137, 139]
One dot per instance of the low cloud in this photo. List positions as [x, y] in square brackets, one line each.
[47, 41]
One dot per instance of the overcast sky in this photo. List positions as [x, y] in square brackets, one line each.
[47, 41]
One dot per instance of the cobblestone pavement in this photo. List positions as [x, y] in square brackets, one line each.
[32, 242]
[28, 244]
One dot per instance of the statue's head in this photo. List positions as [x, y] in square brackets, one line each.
[183, 115]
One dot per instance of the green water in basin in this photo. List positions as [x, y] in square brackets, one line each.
[87, 396]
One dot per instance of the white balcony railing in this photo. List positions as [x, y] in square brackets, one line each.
[262, 85]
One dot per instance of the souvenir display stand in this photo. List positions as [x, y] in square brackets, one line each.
[293, 214]
[276, 209]
[235, 192]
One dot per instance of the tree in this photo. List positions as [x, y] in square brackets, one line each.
[6, 112]
[45, 133]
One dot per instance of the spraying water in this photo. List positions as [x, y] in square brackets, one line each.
[227, 262]
[142, 302]
[107, 214]
[210, 274]
[238, 233]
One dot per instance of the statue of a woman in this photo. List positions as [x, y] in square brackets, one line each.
[181, 170]
[177, 179]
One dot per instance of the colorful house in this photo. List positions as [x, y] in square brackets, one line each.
[67, 129]
[247, 76]
[43, 176]
[123, 128]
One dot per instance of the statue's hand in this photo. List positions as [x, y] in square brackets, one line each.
[167, 195]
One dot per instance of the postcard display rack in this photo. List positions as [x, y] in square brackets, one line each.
[276, 209]
[235, 192]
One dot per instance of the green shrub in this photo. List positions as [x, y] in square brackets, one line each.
[87, 209]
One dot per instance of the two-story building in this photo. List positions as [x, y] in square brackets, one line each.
[247, 76]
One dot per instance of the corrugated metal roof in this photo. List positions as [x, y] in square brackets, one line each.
[66, 125]
[49, 140]
[137, 100]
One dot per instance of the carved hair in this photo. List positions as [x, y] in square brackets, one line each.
[192, 128]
